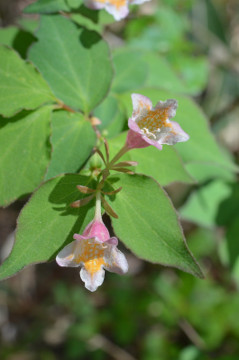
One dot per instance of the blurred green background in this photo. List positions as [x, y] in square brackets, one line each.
[153, 313]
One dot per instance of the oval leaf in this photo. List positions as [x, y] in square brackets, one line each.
[75, 62]
[21, 86]
[25, 153]
[148, 224]
[72, 140]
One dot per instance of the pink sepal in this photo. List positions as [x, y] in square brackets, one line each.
[96, 229]
[135, 140]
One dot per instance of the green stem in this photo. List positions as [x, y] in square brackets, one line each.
[117, 156]
[98, 216]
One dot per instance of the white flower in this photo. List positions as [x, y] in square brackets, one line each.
[95, 252]
[151, 125]
[118, 8]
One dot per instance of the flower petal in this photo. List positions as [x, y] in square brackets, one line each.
[175, 135]
[66, 256]
[135, 140]
[137, 2]
[153, 142]
[141, 105]
[115, 261]
[92, 280]
[171, 105]
[119, 11]
[112, 241]
[95, 5]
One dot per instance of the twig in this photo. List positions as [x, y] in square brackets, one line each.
[192, 334]
[117, 353]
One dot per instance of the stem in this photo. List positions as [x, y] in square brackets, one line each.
[63, 106]
[98, 216]
[118, 156]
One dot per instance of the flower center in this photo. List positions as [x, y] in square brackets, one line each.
[92, 256]
[117, 3]
[154, 121]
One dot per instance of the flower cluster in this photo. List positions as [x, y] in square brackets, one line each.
[95, 251]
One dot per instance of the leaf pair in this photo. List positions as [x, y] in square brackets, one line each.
[147, 223]
[65, 60]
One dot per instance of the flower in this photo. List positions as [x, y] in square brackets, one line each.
[94, 251]
[118, 8]
[152, 126]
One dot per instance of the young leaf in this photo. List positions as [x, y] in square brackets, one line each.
[25, 153]
[21, 86]
[148, 224]
[82, 202]
[72, 140]
[75, 62]
[47, 223]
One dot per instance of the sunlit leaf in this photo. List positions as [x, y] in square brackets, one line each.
[72, 140]
[25, 153]
[67, 57]
[21, 86]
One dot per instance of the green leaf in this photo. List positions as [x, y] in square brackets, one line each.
[161, 74]
[18, 39]
[85, 22]
[203, 171]
[46, 7]
[47, 223]
[25, 153]
[29, 24]
[74, 4]
[194, 71]
[112, 116]
[21, 86]
[202, 146]
[165, 166]
[203, 205]
[8, 34]
[130, 70]
[72, 140]
[232, 241]
[148, 224]
[69, 59]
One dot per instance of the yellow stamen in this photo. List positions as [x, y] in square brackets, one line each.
[154, 120]
[92, 256]
[117, 3]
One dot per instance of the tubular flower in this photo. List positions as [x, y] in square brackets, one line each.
[94, 251]
[152, 126]
[118, 8]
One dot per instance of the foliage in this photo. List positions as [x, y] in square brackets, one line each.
[61, 76]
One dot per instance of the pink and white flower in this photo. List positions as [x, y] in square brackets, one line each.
[95, 251]
[118, 8]
[151, 125]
